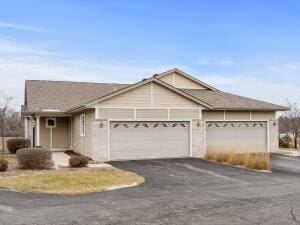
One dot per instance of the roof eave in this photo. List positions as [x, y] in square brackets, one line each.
[77, 109]
[251, 109]
[44, 113]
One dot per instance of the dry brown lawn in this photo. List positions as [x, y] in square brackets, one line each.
[256, 161]
[11, 158]
[71, 181]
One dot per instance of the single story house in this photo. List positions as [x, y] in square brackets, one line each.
[169, 115]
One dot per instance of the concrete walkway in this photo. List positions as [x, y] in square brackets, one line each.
[60, 159]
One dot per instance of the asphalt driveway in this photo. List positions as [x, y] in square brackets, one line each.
[177, 191]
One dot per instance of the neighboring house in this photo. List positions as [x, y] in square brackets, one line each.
[166, 116]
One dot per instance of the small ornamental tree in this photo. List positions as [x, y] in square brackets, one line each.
[4, 108]
[290, 122]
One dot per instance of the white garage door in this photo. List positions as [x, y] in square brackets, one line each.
[237, 136]
[148, 140]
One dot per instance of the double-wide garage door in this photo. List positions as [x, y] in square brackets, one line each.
[148, 140]
[236, 136]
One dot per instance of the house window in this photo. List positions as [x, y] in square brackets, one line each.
[82, 125]
[50, 122]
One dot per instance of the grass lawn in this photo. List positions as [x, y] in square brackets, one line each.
[71, 182]
[11, 158]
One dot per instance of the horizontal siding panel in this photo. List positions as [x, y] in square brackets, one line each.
[183, 82]
[213, 115]
[263, 115]
[168, 79]
[60, 136]
[184, 113]
[116, 113]
[162, 97]
[237, 115]
[138, 97]
[44, 133]
[152, 114]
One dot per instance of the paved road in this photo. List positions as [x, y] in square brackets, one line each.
[285, 163]
[178, 191]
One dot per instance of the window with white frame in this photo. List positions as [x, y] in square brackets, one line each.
[82, 125]
[50, 122]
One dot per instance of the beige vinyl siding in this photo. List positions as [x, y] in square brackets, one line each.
[60, 134]
[138, 97]
[237, 115]
[83, 145]
[181, 81]
[44, 133]
[168, 79]
[213, 115]
[143, 96]
[184, 114]
[164, 98]
[152, 114]
[115, 113]
[263, 115]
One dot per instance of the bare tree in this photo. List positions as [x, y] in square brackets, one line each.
[4, 108]
[293, 122]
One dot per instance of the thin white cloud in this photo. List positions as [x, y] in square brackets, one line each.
[11, 47]
[272, 87]
[210, 61]
[19, 62]
[274, 82]
[18, 26]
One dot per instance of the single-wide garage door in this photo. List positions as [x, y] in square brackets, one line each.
[236, 136]
[148, 140]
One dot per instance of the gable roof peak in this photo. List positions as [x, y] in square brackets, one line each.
[188, 76]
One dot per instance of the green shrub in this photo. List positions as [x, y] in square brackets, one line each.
[78, 161]
[3, 165]
[14, 144]
[34, 159]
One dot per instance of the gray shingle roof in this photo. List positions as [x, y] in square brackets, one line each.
[63, 95]
[221, 100]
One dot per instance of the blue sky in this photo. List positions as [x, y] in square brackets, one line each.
[245, 47]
